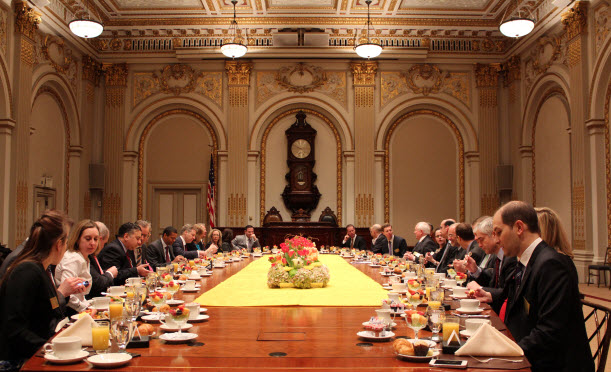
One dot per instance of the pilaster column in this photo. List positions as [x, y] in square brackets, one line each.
[6, 133]
[472, 175]
[348, 191]
[129, 207]
[598, 183]
[26, 25]
[114, 122]
[511, 130]
[74, 196]
[238, 74]
[488, 135]
[575, 25]
[364, 74]
[253, 216]
[526, 178]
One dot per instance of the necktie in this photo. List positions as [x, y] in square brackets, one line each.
[352, 242]
[138, 255]
[98, 263]
[129, 260]
[390, 247]
[497, 272]
[443, 256]
[167, 254]
[518, 276]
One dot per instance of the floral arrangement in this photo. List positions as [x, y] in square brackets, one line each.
[297, 265]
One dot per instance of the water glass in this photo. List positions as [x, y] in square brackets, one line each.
[436, 318]
[120, 331]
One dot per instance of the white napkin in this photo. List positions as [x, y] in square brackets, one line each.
[489, 341]
[82, 329]
[61, 324]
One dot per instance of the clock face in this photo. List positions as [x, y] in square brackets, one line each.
[301, 148]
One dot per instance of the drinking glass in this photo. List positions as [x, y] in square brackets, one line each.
[436, 318]
[416, 321]
[172, 288]
[436, 299]
[115, 310]
[100, 336]
[451, 328]
[179, 316]
[460, 279]
[120, 331]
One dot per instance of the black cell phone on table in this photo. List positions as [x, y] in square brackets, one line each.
[448, 363]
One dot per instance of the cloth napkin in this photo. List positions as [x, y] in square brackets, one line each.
[81, 329]
[488, 341]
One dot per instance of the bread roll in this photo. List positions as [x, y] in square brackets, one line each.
[146, 329]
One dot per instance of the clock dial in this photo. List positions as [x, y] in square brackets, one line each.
[301, 148]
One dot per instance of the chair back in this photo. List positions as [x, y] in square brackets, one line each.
[608, 257]
[597, 327]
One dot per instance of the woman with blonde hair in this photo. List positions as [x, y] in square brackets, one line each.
[552, 231]
[214, 237]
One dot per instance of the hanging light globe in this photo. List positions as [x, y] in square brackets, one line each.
[517, 27]
[234, 50]
[368, 50]
[86, 28]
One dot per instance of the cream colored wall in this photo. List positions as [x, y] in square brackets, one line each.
[325, 167]
[424, 174]
[48, 146]
[553, 160]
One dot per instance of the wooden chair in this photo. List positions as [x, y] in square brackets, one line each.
[327, 215]
[273, 215]
[597, 321]
[604, 267]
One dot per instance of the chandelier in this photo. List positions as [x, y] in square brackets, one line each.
[86, 27]
[369, 48]
[517, 25]
[234, 47]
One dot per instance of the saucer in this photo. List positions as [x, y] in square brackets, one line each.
[190, 290]
[393, 325]
[370, 335]
[465, 333]
[387, 287]
[109, 360]
[460, 297]
[200, 318]
[386, 274]
[174, 302]
[178, 337]
[153, 318]
[424, 359]
[257, 255]
[174, 328]
[80, 355]
[465, 311]
[202, 310]
[374, 265]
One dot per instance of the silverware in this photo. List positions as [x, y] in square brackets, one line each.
[489, 359]
[471, 316]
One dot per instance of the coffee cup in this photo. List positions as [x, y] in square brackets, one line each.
[398, 287]
[133, 281]
[100, 303]
[193, 310]
[384, 314]
[459, 291]
[394, 296]
[64, 347]
[190, 285]
[449, 282]
[469, 304]
[472, 325]
[117, 290]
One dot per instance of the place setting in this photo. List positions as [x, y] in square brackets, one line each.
[469, 306]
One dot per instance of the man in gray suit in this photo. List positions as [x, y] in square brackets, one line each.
[247, 241]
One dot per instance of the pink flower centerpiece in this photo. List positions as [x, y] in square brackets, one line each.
[297, 265]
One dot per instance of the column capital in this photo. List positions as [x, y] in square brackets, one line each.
[115, 74]
[92, 70]
[513, 70]
[364, 73]
[575, 20]
[238, 72]
[26, 19]
[487, 75]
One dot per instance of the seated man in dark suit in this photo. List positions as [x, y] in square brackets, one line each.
[379, 243]
[468, 246]
[187, 235]
[160, 253]
[544, 312]
[351, 240]
[425, 244]
[441, 259]
[396, 245]
[120, 253]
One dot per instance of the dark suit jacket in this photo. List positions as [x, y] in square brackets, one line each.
[179, 250]
[29, 311]
[380, 245]
[476, 253]
[114, 255]
[426, 245]
[545, 314]
[487, 273]
[444, 261]
[100, 280]
[10, 258]
[155, 254]
[506, 274]
[359, 243]
[399, 246]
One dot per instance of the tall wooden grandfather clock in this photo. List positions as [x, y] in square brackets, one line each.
[301, 196]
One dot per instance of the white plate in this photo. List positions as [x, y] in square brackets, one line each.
[190, 290]
[365, 324]
[200, 318]
[174, 328]
[115, 295]
[219, 267]
[244, 256]
[195, 277]
[82, 354]
[257, 255]
[109, 360]
[373, 265]
[153, 318]
[465, 333]
[414, 358]
[76, 317]
[465, 311]
[387, 287]
[370, 335]
[178, 337]
[202, 309]
[459, 297]
[174, 302]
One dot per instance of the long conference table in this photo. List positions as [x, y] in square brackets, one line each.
[275, 338]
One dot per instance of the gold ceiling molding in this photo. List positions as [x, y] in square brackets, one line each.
[575, 20]
[461, 158]
[144, 135]
[26, 20]
[60, 57]
[177, 79]
[301, 78]
[364, 73]
[338, 152]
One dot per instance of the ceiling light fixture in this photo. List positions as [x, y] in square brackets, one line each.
[234, 47]
[517, 25]
[368, 48]
[86, 27]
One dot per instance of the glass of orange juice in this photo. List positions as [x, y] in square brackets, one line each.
[451, 329]
[115, 310]
[100, 336]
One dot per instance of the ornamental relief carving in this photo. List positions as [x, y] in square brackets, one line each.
[548, 50]
[177, 80]
[602, 21]
[3, 31]
[301, 79]
[52, 50]
[423, 80]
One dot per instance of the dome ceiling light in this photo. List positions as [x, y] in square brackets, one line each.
[517, 25]
[86, 27]
[368, 48]
[234, 48]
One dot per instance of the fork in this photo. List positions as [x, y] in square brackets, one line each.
[489, 359]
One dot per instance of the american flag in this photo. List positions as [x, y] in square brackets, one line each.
[210, 197]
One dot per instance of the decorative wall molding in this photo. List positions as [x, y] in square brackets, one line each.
[602, 25]
[61, 58]
[363, 73]
[178, 80]
[608, 160]
[3, 31]
[575, 20]
[301, 78]
[26, 20]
